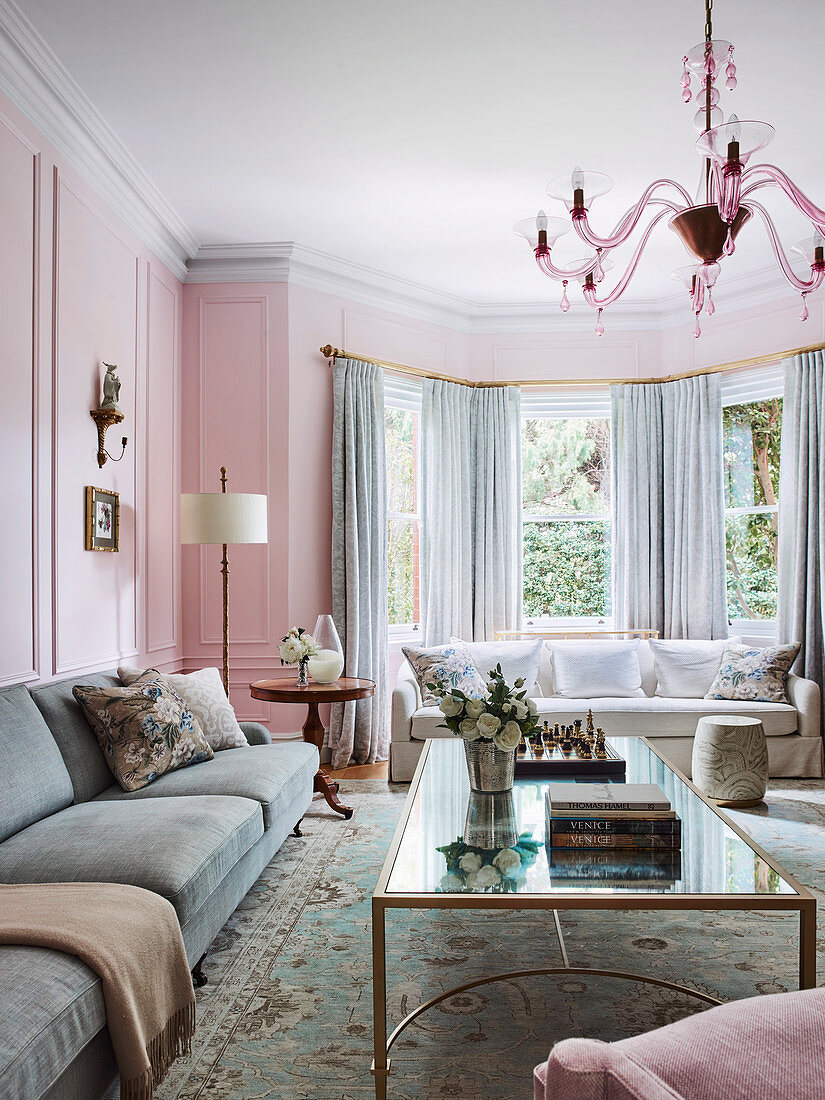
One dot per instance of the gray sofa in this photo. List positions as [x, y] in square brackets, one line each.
[199, 836]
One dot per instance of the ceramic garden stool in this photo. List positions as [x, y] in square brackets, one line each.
[730, 760]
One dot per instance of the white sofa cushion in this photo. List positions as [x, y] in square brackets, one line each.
[686, 669]
[646, 717]
[596, 669]
[517, 660]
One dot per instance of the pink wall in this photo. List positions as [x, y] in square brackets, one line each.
[77, 288]
[236, 393]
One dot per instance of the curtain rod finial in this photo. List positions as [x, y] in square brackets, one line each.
[329, 352]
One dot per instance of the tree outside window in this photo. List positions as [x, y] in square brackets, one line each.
[752, 433]
[403, 520]
[566, 517]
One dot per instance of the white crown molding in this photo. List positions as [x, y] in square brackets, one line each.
[297, 265]
[35, 80]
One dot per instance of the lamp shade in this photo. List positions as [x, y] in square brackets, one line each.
[223, 518]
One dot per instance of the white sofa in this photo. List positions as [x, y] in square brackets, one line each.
[792, 730]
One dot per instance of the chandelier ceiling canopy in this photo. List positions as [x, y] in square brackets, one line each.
[708, 228]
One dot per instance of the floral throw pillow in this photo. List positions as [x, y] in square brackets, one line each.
[755, 674]
[144, 730]
[203, 696]
[448, 665]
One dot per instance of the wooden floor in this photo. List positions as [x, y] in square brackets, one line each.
[364, 771]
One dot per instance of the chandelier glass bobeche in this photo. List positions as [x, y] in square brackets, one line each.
[708, 229]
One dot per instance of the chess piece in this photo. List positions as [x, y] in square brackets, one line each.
[111, 388]
[601, 748]
[550, 737]
[521, 749]
[538, 748]
[591, 729]
[566, 742]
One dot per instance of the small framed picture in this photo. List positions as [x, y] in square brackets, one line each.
[102, 519]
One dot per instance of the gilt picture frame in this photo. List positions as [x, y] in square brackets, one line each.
[102, 519]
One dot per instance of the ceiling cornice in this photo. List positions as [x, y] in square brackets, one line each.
[289, 262]
[36, 81]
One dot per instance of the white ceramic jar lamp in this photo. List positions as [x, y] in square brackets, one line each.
[328, 665]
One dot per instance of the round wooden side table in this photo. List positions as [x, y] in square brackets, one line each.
[285, 690]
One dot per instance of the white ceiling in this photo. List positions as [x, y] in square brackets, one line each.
[410, 137]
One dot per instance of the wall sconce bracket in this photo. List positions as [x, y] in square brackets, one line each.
[105, 418]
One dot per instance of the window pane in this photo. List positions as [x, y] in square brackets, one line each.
[402, 571]
[751, 551]
[752, 435]
[401, 432]
[565, 466]
[567, 568]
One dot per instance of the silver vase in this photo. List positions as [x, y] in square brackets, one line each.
[490, 769]
[303, 679]
[491, 820]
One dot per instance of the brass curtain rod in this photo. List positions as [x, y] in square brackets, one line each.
[332, 354]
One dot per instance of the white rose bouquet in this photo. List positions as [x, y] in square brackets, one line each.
[472, 870]
[296, 648]
[503, 716]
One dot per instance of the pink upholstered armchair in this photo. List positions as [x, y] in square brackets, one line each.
[756, 1049]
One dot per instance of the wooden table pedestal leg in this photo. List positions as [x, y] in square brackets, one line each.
[313, 732]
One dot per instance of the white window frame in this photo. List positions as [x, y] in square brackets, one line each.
[745, 388]
[404, 392]
[575, 403]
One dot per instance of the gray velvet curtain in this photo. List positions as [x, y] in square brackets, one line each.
[668, 508]
[359, 732]
[802, 513]
[471, 548]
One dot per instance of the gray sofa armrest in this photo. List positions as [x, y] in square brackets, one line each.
[805, 696]
[255, 733]
[406, 700]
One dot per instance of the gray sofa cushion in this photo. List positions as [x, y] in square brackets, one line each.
[181, 848]
[260, 772]
[33, 778]
[52, 1007]
[86, 764]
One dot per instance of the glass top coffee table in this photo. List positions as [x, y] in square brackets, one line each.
[718, 868]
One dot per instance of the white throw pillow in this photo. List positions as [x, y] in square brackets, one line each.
[596, 670]
[685, 669]
[203, 694]
[518, 660]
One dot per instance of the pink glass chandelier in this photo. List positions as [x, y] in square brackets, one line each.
[708, 229]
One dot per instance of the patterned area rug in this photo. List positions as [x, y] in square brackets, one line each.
[287, 1013]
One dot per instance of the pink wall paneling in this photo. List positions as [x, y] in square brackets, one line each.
[96, 273]
[79, 288]
[19, 208]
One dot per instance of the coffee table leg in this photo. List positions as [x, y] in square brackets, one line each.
[380, 1065]
[313, 733]
[807, 946]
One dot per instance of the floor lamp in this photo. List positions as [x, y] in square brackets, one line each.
[223, 518]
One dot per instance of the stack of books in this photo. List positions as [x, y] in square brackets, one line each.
[612, 834]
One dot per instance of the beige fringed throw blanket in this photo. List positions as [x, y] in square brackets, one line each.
[132, 940]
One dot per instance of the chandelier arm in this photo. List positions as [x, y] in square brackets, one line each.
[802, 285]
[630, 219]
[621, 286]
[797, 197]
[545, 265]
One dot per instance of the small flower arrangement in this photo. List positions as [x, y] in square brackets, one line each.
[503, 716]
[296, 648]
[472, 870]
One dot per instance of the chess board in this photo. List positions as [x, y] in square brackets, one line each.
[553, 761]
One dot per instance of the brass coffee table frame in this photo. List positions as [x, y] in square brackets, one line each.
[802, 902]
